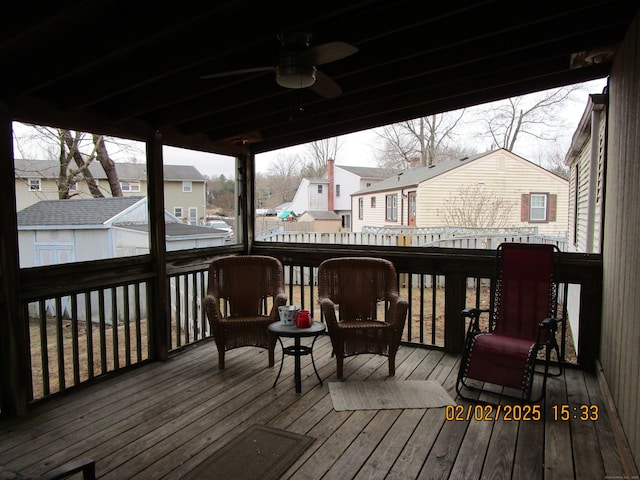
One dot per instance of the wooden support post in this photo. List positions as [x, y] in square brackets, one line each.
[157, 293]
[15, 379]
[455, 296]
[590, 323]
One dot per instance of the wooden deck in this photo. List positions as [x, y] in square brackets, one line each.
[161, 420]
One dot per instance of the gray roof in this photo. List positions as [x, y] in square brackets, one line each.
[177, 229]
[417, 175]
[81, 211]
[126, 171]
[322, 215]
[369, 172]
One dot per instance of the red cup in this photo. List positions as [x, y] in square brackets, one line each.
[303, 320]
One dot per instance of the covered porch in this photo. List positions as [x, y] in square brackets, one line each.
[148, 401]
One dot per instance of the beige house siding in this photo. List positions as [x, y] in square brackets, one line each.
[502, 174]
[174, 196]
[45, 172]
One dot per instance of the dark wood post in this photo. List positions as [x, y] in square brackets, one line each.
[590, 323]
[455, 296]
[157, 293]
[15, 379]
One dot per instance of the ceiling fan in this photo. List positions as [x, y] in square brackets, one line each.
[297, 64]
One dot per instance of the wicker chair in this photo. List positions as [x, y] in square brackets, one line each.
[361, 289]
[243, 297]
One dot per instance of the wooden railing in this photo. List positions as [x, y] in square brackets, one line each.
[66, 349]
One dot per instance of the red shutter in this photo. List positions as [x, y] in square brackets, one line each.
[524, 207]
[553, 202]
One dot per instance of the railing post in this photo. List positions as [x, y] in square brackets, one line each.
[158, 305]
[15, 380]
[590, 323]
[455, 291]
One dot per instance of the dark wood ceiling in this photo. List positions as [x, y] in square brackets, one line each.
[134, 67]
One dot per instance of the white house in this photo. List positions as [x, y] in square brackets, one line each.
[333, 192]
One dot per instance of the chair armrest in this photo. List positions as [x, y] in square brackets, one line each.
[329, 311]
[397, 315]
[474, 315]
[278, 301]
[474, 312]
[212, 308]
[550, 323]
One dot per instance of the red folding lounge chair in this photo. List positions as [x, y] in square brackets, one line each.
[522, 322]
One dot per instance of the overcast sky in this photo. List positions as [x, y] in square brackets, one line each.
[357, 149]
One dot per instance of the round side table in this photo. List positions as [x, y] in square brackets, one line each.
[297, 350]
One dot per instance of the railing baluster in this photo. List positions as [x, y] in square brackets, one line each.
[103, 332]
[60, 344]
[127, 326]
[138, 314]
[114, 329]
[89, 333]
[44, 348]
[74, 340]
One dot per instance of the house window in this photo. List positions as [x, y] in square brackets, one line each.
[361, 208]
[373, 202]
[319, 188]
[73, 187]
[391, 212]
[187, 187]
[177, 211]
[337, 190]
[538, 207]
[130, 186]
[34, 185]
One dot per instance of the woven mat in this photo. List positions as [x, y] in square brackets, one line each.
[384, 395]
[260, 452]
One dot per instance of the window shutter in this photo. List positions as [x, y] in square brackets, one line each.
[524, 207]
[553, 202]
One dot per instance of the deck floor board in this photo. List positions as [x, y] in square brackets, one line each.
[161, 420]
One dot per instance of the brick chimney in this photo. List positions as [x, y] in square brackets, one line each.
[332, 187]
[414, 162]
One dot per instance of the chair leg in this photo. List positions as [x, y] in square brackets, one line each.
[272, 357]
[220, 359]
[339, 364]
[392, 364]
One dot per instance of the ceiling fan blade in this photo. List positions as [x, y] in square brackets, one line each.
[326, 53]
[325, 86]
[238, 72]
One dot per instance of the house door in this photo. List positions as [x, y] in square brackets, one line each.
[412, 209]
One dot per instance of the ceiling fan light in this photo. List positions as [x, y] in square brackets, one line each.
[296, 76]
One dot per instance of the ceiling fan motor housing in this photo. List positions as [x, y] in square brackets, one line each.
[291, 72]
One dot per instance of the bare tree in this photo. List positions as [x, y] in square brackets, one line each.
[475, 207]
[427, 138]
[533, 116]
[314, 161]
[284, 177]
[75, 152]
